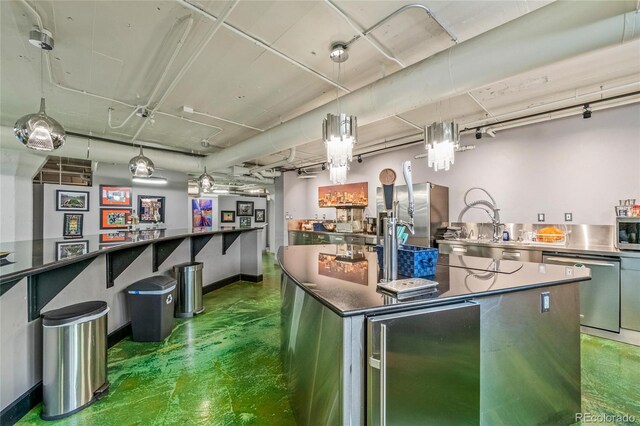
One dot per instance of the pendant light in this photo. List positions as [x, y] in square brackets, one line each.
[441, 140]
[141, 166]
[38, 131]
[339, 131]
[205, 181]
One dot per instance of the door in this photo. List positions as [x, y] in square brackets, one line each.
[424, 367]
[599, 297]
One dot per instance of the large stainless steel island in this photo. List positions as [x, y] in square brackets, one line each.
[497, 343]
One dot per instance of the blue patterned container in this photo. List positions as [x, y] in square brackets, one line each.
[413, 261]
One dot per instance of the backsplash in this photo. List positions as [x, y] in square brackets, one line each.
[594, 235]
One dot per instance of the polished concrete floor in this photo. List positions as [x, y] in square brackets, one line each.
[223, 368]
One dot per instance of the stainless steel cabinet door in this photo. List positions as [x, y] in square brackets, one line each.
[630, 294]
[424, 367]
[599, 297]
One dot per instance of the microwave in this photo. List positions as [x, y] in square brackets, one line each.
[628, 233]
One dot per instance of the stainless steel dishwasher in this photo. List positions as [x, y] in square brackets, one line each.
[600, 297]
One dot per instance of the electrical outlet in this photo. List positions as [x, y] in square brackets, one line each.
[545, 301]
[568, 217]
[540, 217]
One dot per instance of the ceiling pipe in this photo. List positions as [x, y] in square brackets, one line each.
[216, 26]
[289, 160]
[550, 34]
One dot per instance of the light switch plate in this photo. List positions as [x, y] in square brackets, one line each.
[540, 217]
[568, 217]
[545, 301]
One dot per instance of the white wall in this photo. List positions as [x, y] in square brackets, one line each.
[17, 169]
[177, 207]
[565, 165]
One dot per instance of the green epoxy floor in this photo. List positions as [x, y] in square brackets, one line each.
[223, 368]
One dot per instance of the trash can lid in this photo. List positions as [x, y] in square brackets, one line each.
[85, 311]
[193, 266]
[155, 284]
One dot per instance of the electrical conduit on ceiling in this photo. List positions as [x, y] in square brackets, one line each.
[552, 33]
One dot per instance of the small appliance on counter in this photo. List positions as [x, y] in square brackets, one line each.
[349, 219]
[628, 233]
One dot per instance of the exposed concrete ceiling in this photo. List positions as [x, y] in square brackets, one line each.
[119, 50]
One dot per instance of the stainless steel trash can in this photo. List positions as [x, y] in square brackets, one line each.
[151, 308]
[74, 370]
[189, 296]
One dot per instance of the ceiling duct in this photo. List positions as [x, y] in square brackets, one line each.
[547, 35]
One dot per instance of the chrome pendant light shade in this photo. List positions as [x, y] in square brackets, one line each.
[339, 134]
[205, 181]
[39, 131]
[441, 140]
[141, 166]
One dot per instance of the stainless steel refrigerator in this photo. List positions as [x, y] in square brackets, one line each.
[431, 211]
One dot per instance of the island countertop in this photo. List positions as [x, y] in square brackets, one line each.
[34, 256]
[349, 287]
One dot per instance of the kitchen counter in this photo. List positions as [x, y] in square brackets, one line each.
[301, 237]
[350, 288]
[352, 355]
[580, 248]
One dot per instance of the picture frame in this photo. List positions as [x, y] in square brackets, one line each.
[151, 208]
[260, 215]
[245, 222]
[114, 218]
[67, 249]
[115, 196]
[72, 225]
[113, 237]
[202, 212]
[227, 216]
[244, 208]
[72, 200]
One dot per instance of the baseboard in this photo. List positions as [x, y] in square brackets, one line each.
[21, 406]
[219, 284]
[251, 278]
[118, 335]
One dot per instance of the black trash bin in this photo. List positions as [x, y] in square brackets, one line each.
[151, 307]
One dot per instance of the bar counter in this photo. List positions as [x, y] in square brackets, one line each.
[497, 343]
[40, 275]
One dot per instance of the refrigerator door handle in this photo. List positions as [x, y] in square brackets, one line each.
[383, 375]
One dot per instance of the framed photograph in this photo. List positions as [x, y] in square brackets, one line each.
[71, 249]
[114, 218]
[72, 201]
[350, 194]
[117, 196]
[151, 208]
[113, 237]
[260, 215]
[72, 225]
[245, 222]
[227, 216]
[202, 209]
[244, 208]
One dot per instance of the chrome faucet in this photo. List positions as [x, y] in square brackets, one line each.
[497, 233]
[391, 222]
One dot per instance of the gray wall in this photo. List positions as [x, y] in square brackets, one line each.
[228, 202]
[565, 165]
[177, 210]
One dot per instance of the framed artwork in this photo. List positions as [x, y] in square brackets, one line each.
[202, 212]
[117, 196]
[113, 237]
[245, 222]
[350, 194]
[151, 208]
[260, 215]
[72, 200]
[71, 249]
[244, 208]
[114, 218]
[227, 216]
[72, 225]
